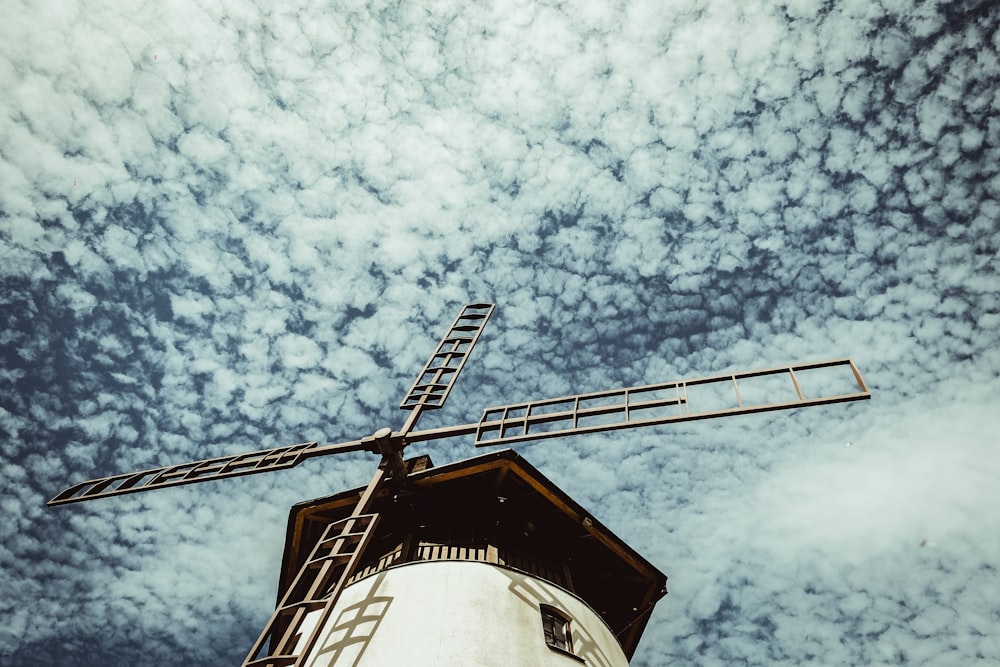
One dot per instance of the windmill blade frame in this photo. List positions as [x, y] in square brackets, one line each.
[236, 465]
[433, 384]
[647, 405]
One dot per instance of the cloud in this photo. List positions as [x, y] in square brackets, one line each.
[231, 227]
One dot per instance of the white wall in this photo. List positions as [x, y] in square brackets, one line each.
[457, 613]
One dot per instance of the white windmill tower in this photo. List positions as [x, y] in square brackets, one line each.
[479, 562]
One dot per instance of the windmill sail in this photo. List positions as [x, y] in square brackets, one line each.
[683, 400]
[248, 463]
[434, 383]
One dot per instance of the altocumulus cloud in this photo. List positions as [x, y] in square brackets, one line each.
[226, 226]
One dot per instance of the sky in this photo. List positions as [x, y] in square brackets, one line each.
[226, 226]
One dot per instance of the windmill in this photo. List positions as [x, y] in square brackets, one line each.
[591, 592]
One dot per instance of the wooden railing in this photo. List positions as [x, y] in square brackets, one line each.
[478, 551]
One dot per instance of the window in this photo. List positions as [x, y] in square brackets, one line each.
[556, 628]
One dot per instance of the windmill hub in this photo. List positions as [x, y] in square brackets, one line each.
[391, 450]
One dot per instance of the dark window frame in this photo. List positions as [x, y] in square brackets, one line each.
[557, 630]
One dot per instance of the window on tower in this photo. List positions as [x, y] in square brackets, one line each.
[556, 628]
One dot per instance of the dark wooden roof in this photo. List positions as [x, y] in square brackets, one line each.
[502, 499]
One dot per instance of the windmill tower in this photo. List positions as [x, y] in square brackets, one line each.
[479, 562]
